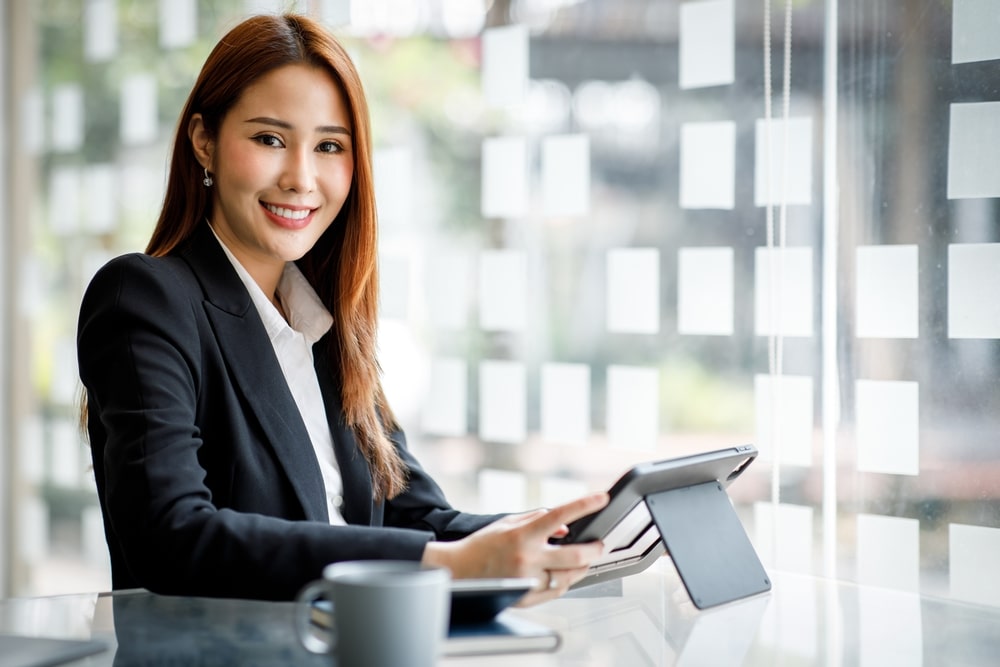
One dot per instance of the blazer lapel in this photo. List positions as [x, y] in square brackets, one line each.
[255, 370]
[353, 466]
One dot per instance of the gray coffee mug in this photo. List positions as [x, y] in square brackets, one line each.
[378, 613]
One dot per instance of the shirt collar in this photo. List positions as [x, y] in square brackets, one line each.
[306, 312]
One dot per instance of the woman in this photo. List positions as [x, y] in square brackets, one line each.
[240, 436]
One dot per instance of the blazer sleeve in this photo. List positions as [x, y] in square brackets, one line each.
[142, 344]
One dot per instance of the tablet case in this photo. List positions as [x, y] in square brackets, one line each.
[707, 542]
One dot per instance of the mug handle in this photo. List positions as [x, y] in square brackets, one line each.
[314, 616]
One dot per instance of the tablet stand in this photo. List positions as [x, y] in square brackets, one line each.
[705, 539]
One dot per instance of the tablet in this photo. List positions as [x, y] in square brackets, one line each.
[631, 538]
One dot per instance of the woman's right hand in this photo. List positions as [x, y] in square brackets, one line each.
[518, 546]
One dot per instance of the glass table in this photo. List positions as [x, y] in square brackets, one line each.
[645, 619]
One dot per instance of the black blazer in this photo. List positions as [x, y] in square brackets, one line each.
[207, 479]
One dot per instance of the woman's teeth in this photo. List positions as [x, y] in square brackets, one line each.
[287, 212]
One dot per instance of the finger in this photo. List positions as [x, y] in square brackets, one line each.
[571, 556]
[557, 517]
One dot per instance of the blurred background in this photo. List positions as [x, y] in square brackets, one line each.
[595, 250]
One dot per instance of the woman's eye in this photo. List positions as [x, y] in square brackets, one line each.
[268, 140]
[329, 147]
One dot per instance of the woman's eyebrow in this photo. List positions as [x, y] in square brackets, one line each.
[322, 129]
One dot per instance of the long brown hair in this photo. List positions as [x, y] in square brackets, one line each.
[342, 266]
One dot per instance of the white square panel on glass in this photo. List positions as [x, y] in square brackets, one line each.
[139, 123]
[566, 403]
[394, 286]
[887, 291]
[792, 407]
[789, 309]
[887, 426]
[505, 65]
[797, 179]
[448, 283]
[445, 409]
[973, 143]
[783, 536]
[974, 28]
[503, 400]
[633, 407]
[502, 491]
[503, 290]
[178, 23]
[393, 173]
[101, 186]
[705, 291]
[557, 490]
[708, 165]
[100, 30]
[973, 554]
[67, 118]
[633, 290]
[707, 44]
[335, 13]
[888, 552]
[890, 628]
[973, 297]
[566, 175]
[65, 200]
[504, 177]
[31, 121]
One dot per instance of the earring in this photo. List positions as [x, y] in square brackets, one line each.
[208, 179]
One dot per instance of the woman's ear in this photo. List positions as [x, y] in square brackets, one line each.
[201, 141]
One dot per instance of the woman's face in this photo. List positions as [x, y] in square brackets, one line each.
[282, 163]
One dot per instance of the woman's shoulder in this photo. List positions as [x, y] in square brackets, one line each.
[141, 277]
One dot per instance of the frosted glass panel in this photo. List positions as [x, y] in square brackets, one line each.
[65, 201]
[502, 401]
[505, 65]
[973, 298]
[566, 175]
[889, 552]
[393, 170]
[503, 290]
[448, 276]
[178, 23]
[792, 407]
[100, 183]
[445, 407]
[394, 286]
[634, 290]
[502, 491]
[138, 109]
[887, 291]
[706, 43]
[797, 179]
[887, 415]
[100, 29]
[67, 118]
[794, 537]
[705, 291]
[973, 143]
[566, 403]
[708, 165]
[633, 407]
[974, 28]
[792, 309]
[974, 552]
[504, 177]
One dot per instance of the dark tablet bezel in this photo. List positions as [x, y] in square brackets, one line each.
[722, 465]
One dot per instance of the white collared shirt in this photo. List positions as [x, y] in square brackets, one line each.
[308, 321]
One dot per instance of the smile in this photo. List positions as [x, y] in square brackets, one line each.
[290, 214]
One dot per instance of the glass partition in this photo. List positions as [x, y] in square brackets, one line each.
[595, 250]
